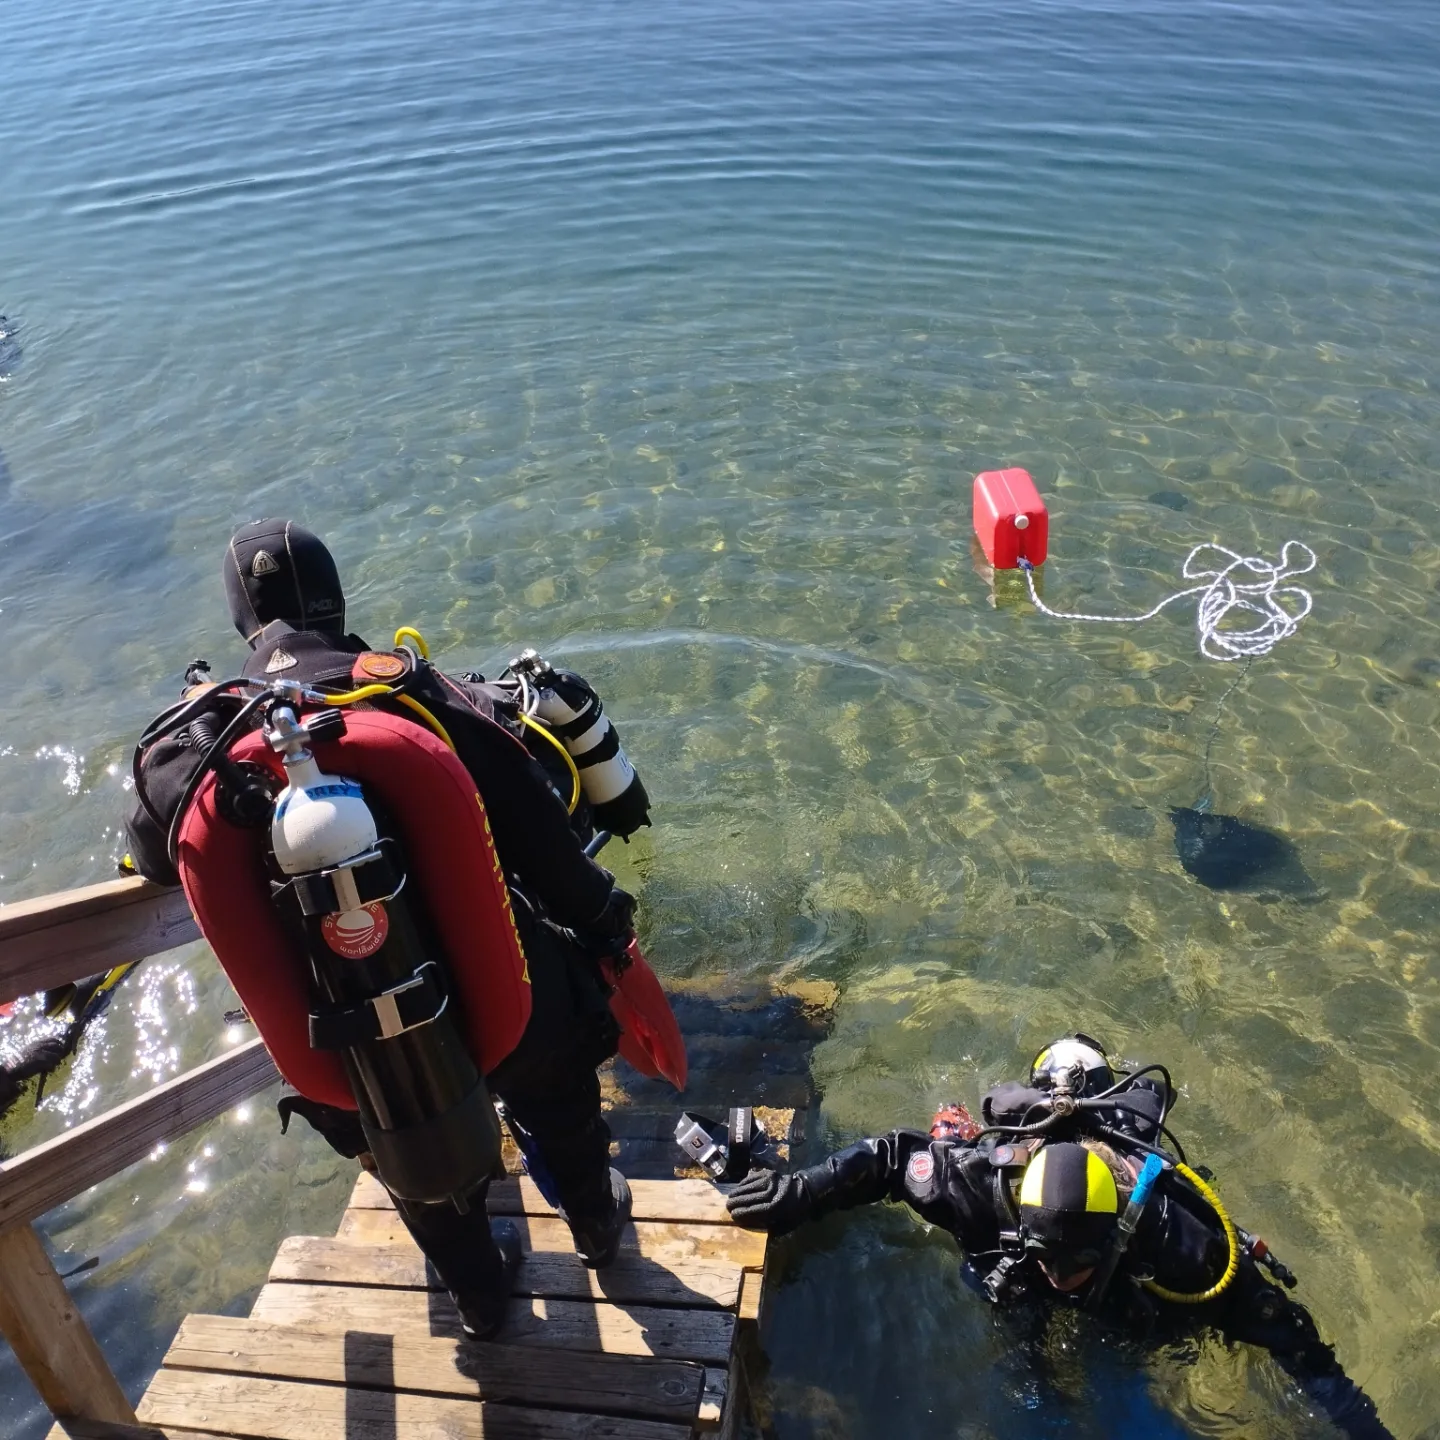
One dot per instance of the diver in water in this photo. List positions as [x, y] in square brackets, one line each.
[1073, 1192]
[77, 1005]
[286, 600]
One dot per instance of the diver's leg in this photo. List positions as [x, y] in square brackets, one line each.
[551, 1090]
[475, 1257]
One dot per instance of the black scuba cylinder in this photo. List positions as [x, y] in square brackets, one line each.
[380, 980]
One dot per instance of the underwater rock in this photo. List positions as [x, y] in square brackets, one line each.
[1226, 853]
[1170, 499]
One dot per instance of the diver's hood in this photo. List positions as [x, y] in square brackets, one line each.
[277, 570]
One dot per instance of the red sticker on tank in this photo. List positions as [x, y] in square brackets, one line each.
[921, 1166]
[356, 934]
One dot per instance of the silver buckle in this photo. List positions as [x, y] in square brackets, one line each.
[387, 1009]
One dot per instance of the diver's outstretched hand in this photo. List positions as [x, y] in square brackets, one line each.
[767, 1200]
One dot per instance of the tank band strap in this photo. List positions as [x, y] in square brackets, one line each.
[415, 1002]
[604, 749]
[585, 720]
[374, 876]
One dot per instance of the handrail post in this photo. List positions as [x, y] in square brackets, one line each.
[49, 1336]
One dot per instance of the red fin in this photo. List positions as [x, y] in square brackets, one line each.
[650, 1036]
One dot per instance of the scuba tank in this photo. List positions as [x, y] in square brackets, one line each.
[573, 712]
[384, 993]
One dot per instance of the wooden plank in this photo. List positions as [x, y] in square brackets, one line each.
[45, 1176]
[109, 1430]
[75, 933]
[519, 1195]
[49, 1337]
[751, 1292]
[283, 1410]
[712, 1399]
[313, 1260]
[606, 1384]
[672, 1334]
[653, 1239]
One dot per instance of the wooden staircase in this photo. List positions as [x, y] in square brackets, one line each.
[353, 1337]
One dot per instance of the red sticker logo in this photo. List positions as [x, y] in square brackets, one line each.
[356, 934]
[921, 1167]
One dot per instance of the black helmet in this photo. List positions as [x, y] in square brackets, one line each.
[1068, 1205]
[1079, 1055]
[278, 570]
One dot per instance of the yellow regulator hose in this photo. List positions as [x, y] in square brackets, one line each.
[540, 729]
[1231, 1239]
[410, 633]
[369, 692]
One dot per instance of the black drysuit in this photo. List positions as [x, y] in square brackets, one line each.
[1179, 1243]
[565, 909]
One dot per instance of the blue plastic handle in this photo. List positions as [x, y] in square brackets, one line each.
[1150, 1172]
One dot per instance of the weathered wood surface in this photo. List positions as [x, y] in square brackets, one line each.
[55, 938]
[315, 1260]
[58, 1170]
[283, 1410]
[656, 1240]
[665, 1331]
[48, 1335]
[606, 1384]
[112, 1430]
[679, 1200]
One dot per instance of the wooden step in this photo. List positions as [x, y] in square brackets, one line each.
[683, 1200]
[284, 1410]
[667, 1242]
[605, 1384]
[617, 1329]
[551, 1275]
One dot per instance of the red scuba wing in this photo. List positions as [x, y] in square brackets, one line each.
[650, 1036]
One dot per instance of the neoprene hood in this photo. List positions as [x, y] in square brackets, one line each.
[278, 570]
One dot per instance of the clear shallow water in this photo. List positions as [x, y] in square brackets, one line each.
[669, 343]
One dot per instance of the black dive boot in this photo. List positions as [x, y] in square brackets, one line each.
[596, 1228]
[482, 1309]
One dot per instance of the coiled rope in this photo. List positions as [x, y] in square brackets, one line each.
[1281, 607]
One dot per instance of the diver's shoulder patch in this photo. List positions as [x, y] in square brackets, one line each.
[280, 660]
[921, 1168]
[378, 665]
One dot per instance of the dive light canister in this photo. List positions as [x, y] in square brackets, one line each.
[573, 711]
[382, 989]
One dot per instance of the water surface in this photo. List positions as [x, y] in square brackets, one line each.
[667, 340]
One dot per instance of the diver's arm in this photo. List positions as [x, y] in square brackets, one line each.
[1262, 1314]
[865, 1172]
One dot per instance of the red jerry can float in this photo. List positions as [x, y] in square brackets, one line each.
[1011, 521]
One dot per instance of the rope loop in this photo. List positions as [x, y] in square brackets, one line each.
[1281, 607]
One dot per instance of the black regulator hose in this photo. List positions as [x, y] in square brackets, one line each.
[174, 717]
[226, 738]
[183, 711]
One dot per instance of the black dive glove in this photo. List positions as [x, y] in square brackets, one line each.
[611, 929]
[767, 1200]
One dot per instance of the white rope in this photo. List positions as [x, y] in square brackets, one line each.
[1281, 607]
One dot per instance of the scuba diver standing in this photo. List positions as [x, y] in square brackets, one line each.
[394, 887]
[1074, 1192]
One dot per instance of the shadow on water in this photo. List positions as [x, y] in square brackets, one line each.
[1224, 852]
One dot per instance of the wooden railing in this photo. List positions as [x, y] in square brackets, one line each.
[47, 942]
